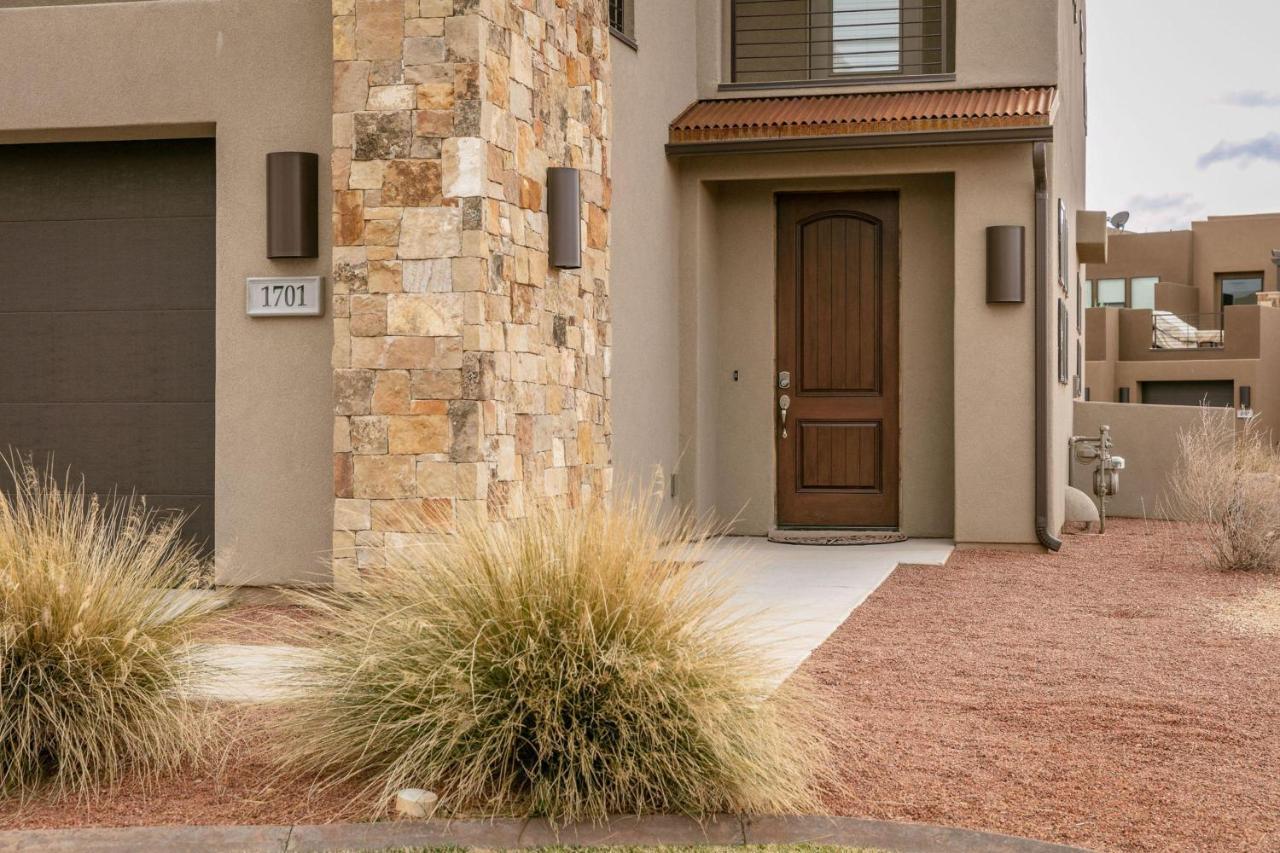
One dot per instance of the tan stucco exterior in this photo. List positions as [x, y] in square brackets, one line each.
[254, 74]
[1147, 437]
[690, 249]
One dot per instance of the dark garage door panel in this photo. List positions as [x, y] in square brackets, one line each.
[156, 448]
[1215, 393]
[107, 271]
[108, 264]
[107, 180]
[107, 357]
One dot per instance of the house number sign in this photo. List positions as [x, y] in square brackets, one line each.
[285, 297]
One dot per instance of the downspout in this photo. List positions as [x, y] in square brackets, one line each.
[1040, 161]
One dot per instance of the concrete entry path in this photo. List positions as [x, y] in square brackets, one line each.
[792, 597]
[797, 595]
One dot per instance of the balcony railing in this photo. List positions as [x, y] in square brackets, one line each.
[1171, 331]
[787, 41]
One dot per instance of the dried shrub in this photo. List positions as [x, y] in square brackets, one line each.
[571, 664]
[94, 657]
[1230, 479]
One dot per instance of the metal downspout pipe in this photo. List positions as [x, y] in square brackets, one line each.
[1040, 162]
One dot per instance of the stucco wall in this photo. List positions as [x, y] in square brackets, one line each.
[975, 382]
[1233, 244]
[1147, 438]
[254, 73]
[652, 85]
[1067, 186]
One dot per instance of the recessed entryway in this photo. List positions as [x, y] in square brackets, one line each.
[837, 382]
[107, 265]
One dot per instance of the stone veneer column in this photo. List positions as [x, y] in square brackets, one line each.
[469, 377]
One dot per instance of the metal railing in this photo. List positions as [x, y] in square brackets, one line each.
[1170, 331]
[778, 41]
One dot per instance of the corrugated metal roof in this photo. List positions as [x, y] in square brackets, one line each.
[847, 114]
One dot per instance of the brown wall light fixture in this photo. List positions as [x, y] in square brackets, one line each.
[293, 210]
[1006, 265]
[564, 218]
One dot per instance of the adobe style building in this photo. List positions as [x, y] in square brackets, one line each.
[1185, 317]
[817, 264]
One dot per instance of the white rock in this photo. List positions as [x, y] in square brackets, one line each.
[416, 803]
[1080, 507]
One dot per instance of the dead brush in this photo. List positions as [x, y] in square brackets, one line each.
[93, 645]
[569, 664]
[1230, 479]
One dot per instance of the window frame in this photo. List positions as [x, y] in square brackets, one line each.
[732, 75]
[1219, 278]
[626, 33]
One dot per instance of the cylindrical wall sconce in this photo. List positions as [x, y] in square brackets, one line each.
[564, 218]
[293, 212]
[1006, 264]
[1123, 395]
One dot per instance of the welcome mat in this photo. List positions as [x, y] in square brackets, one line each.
[835, 537]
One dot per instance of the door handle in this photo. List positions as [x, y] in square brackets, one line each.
[784, 403]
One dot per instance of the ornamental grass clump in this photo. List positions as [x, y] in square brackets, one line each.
[1230, 478]
[572, 664]
[93, 641]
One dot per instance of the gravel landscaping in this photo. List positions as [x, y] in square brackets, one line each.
[1119, 695]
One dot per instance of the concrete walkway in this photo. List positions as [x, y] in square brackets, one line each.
[792, 596]
[798, 595]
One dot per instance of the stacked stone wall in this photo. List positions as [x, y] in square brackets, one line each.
[470, 377]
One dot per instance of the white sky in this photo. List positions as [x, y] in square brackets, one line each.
[1184, 109]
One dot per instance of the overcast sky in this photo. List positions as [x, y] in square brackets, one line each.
[1184, 109]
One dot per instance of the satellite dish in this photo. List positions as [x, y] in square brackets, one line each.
[1120, 220]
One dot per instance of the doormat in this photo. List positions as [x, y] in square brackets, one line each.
[835, 537]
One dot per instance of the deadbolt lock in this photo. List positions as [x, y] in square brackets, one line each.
[784, 379]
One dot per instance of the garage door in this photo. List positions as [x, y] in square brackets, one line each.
[1216, 393]
[107, 316]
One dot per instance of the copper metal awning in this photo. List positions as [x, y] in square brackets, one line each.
[754, 122]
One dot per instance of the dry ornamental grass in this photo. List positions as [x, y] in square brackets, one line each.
[566, 664]
[93, 645]
[1231, 480]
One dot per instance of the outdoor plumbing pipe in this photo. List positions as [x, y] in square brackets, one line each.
[1040, 162]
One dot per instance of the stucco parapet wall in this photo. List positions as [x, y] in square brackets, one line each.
[469, 376]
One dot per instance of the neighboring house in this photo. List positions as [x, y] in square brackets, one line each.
[770, 198]
[1184, 317]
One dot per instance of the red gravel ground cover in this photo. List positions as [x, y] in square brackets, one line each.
[1096, 697]
[1112, 696]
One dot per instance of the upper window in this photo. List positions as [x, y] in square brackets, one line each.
[866, 36]
[840, 41]
[1239, 288]
[622, 19]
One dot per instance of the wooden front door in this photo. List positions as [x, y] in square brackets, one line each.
[838, 358]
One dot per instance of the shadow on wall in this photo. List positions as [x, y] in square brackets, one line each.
[1147, 437]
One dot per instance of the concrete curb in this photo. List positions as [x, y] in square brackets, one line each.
[727, 830]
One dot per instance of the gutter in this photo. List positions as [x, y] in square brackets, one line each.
[1040, 163]
[858, 141]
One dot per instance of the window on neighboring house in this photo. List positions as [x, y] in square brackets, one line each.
[1239, 288]
[1111, 293]
[1142, 292]
[622, 20]
[1089, 301]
